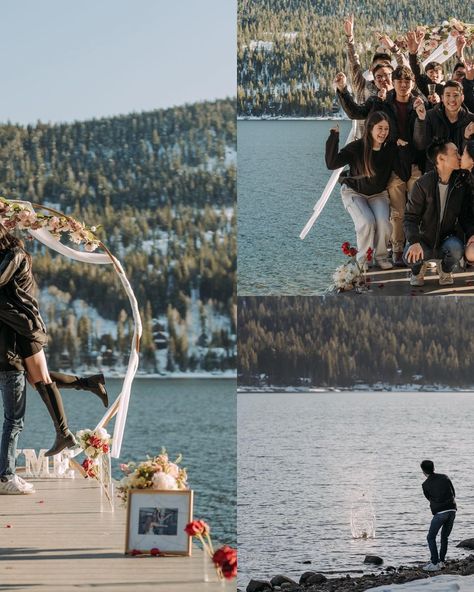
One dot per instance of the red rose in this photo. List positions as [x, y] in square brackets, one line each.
[226, 559]
[197, 527]
[369, 254]
[136, 552]
[105, 448]
[346, 248]
[353, 251]
[155, 552]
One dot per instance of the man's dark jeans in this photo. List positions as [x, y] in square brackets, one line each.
[450, 252]
[13, 387]
[443, 521]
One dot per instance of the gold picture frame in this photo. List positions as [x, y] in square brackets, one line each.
[156, 519]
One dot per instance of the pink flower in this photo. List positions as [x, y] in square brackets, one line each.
[164, 481]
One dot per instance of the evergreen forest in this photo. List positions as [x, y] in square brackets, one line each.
[342, 342]
[160, 187]
[290, 50]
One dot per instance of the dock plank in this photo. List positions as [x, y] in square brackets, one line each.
[58, 539]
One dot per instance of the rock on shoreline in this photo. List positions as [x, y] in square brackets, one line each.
[312, 581]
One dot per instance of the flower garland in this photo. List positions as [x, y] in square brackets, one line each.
[15, 215]
[436, 36]
[154, 473]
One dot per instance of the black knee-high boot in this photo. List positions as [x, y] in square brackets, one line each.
[54, 404]
[95, 384]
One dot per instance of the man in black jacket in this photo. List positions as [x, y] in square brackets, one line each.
[439, 491]
[440, 202]
[13, 389]
[449, 119]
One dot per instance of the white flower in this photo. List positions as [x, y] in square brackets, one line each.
[164, 481]
[102, 433]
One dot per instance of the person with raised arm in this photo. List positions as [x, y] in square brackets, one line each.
[19, 310]
[371, 161]
[448, 120]
[439, 203]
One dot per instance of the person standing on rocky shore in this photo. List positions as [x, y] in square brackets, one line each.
[439, 491]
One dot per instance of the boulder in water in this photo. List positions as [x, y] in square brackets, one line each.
[373, 559]
[466, 544]
[259, 586]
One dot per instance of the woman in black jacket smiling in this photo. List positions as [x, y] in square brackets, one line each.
[19, 310]
[364, 193]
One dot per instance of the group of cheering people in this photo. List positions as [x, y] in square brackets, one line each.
[410, 182]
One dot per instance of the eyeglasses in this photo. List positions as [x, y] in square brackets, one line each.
[383, 76]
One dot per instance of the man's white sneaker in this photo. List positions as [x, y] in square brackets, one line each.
[384, 263]
[418, 280]
[25, 483]
[14, 485]
[431, 567]
[441, 565]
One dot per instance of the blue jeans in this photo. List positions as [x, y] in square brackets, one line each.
[450, 252]
[444, 521]
[13, 387]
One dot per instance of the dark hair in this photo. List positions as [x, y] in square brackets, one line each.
[470, 146]
[437, 146]
[452, 84]
[403, 72]
[372, 120]
[433, 66]
[378, 66]
[427, 466]
[380, 56]
[8, 242]
[458, 65]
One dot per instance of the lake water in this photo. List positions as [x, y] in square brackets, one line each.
[306, 462]
[281, 175]
[195, 417]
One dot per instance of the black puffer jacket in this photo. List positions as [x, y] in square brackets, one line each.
[18, 307]
[436, 125]
[422, 214]
[439, 490]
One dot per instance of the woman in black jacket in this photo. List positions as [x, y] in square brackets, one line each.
[364, 193]
[19, 310]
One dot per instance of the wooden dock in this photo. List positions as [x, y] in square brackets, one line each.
[396, 282]
[58, 540]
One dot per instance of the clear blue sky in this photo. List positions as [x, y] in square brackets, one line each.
[65, 60]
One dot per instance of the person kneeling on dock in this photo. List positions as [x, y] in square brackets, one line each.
[439, 202]
[439, 491]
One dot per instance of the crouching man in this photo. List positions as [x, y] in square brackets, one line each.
[439, 203]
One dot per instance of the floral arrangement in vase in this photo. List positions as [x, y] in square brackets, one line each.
[94, 443]
[351, 274]
[156, 472]
[224, 558]
[16, 215]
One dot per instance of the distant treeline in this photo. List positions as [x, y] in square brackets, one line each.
[302, 46]
[162, 186]
[338, 342]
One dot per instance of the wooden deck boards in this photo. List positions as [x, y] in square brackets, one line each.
[58, 540]
[396, 282]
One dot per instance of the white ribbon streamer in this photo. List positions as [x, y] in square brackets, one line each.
[438, 55]
[120, 405]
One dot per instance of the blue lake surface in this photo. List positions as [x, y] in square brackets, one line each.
[195, 417]
[306, 461]
[281, 175]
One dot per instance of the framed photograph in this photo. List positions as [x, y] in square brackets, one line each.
[156, 519]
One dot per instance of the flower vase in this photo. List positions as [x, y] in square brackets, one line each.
[214, 575]
[106, 484]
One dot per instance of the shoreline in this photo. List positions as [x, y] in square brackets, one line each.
[358, 388]
[290, 118]
[314, 581]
